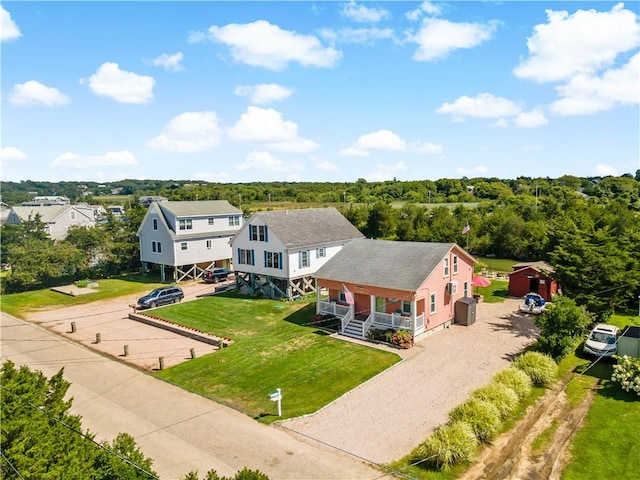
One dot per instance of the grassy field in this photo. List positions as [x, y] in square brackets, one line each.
[500, 265]
[497, 292]
[17, 304]
[275, 347]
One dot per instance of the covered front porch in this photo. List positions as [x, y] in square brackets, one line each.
[370, 311]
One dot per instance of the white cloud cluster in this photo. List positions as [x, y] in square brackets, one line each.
[9, 30]
[35, 93]
[171, 63]
[386, 140]
[266, 126]
[362, 14]
[109, 159]
[260, 160]
[11, 154]
[188, 132]
[437, 38]
[486, 105]
[426, 7]
[581, 49]
[262, 44]
[264, 93]
[120, 85]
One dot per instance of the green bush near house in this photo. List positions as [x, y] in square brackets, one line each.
[515, 379]
[541, 368]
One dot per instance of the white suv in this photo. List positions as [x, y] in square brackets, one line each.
[602, 341]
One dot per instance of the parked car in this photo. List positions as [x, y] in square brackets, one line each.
[161, 296]
[602, 341]
[215, 275]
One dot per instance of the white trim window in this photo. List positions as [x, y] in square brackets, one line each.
[445, 270]
[156, 247]
[155, 224]
[406, 306]
[245, 257]
[321, 252]
[209, 243]
[455, 264]
[465, 289]
[185, 224]
[273, 260]
[211, 221]
[432, 303]
[303, 259]
[234, 221]
[72, 214]
[183, 246]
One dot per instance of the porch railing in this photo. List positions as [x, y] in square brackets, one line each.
[367, 324]
[392, 320]
[419, 324]
[333, 308]
[344, 321]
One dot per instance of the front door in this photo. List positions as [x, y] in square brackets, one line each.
[381, 304]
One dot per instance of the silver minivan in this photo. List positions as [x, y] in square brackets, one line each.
[161, 296]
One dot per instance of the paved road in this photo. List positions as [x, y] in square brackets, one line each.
[181, 431]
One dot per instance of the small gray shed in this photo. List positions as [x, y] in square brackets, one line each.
[629, 342]
[466, 311]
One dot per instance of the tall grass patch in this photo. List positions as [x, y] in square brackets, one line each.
[450, 444]
[504, 398]
[516, 380]
[482, 416]
[541, 368]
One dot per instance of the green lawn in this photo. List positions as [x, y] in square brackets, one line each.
[17, 304]
[273, 348]
[502, 265]
[497, 292]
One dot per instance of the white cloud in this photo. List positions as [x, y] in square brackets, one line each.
[262, 44]
[585, 94]
[11, 154]
[362, 14]
[326, 166]
[188, 132]
[171, 63]
[266, 125]
[35, 93]
[484, 105]
[386, 172]
[603, 170]
[262, 161]
[264, 93]
[109, 159]
[388, 141]
[122, 86]
[9, 30]
[534, 118]
[580, 43]
[426, 7]
[438, 38]
[363, 36]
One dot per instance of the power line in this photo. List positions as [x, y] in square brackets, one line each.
[106, 449]
[11, 465]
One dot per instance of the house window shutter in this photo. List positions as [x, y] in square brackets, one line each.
[265, 259]
[308, 258]
[239, 257]
[249, 230]
[280, 260]
[266, 234]
[253, 261]
[299, 259]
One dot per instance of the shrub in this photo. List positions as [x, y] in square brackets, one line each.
[516, 380]
[503, 397]
[450, 444]
[540, 367]
[402, 339]
[482, 416]
[627, 374]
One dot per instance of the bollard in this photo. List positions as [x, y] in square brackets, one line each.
[73, 327]
[98, 337]
[161, 360]
[193, 352]
[126, 350]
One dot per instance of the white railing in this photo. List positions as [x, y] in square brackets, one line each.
[419, 324]
[333, 308]
[345, 320]
[392, 320]
[367, 324]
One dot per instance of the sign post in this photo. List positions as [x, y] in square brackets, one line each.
[277, 397]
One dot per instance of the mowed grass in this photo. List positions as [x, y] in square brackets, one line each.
[18, 304]
[497, 292]
[274, 347]
[502, 265]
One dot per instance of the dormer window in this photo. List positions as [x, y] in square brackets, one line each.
[185, 224]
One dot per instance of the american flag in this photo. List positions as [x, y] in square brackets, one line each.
[466, 229]
[348, 295]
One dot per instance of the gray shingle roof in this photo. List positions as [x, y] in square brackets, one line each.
[199, 208]
[383, 263]
[539, 266]
[309, 226]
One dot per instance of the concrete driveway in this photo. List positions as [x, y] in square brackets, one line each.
[181, 431]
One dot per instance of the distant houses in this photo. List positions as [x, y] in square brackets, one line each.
[57, 219]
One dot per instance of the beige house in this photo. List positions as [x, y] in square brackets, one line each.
[56, 218]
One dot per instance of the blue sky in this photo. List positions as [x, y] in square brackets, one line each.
[318, 91]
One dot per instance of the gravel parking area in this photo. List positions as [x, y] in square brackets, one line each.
[385, 418]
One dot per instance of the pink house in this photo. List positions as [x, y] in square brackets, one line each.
[382, 284]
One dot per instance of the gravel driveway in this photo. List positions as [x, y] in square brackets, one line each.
[385, 418]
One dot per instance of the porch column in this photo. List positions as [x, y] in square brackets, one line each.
[372, 303]
[317, 297]
[414, 307]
